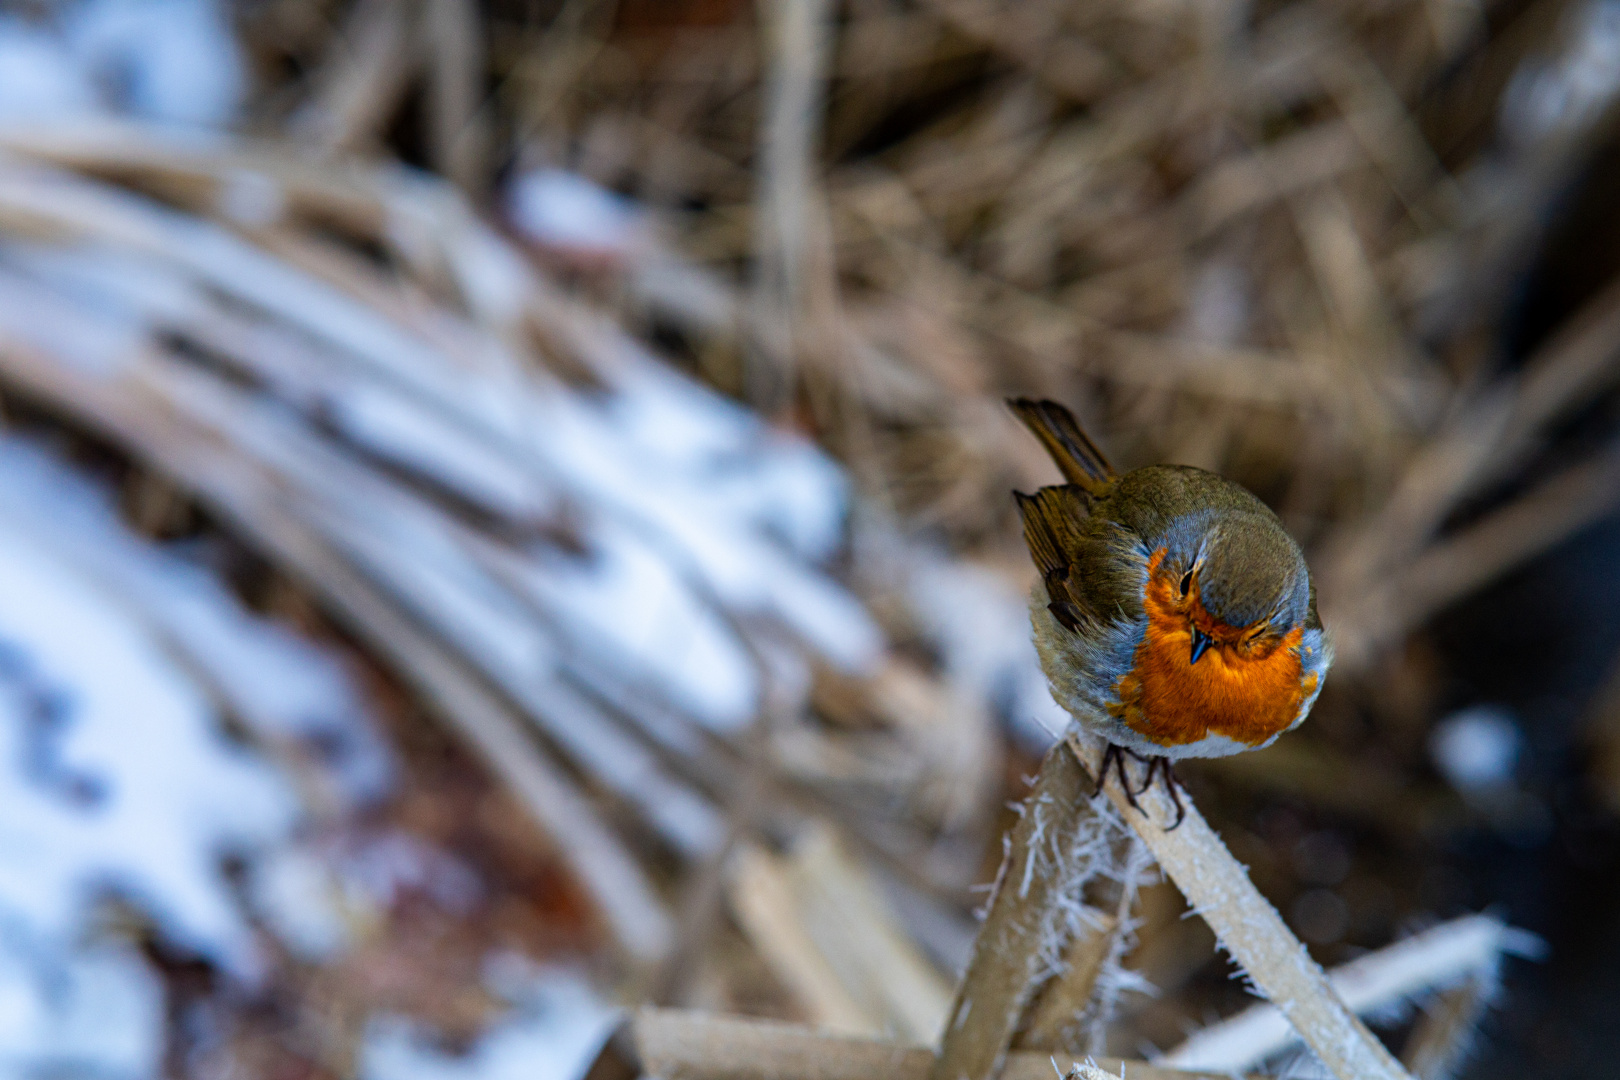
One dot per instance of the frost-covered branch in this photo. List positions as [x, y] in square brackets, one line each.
[1219, 890]
[1455, 952]
[1058, 843]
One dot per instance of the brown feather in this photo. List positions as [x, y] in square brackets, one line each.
[1052, 520]
[1052, 530]
[1076, 456]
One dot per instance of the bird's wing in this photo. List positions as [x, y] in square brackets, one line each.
[1077, 457]
[1053, 530]
[1094, 566]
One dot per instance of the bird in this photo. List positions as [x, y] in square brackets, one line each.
[1174, 615]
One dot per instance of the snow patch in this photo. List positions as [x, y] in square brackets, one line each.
[280, 684]
[564, 210]
[555, 1030]
[1476, 748]
[169, 60]
[119, 779]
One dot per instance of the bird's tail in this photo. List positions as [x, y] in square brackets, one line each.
[1077, 457]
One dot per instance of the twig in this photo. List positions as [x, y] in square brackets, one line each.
[701, 909]
[1491, 433]
[363, 80]
[1445, 1032]
[450, 33]
[679, 1045]
[762, 897]
[823, 927]
[1457, 565]
[1463, 949]
[793, 261]
[855, 929]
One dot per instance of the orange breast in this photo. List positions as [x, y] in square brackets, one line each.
[1246, 691]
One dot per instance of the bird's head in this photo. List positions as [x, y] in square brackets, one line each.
[1239, 580]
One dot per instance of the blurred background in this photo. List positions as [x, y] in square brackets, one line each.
[504, 507]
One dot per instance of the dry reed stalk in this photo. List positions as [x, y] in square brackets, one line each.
[855, 928]
[1488, 436]
[1005, 240]
[793, 285]
[990, 194]
[304, 322]
[1456, 565]
[763, 902]
[1446, 1031]
[451, 36]
[702, 906]
[360, 85]
[286, 453]
[1052, 850]
[1058, 1006]
[817, 917]
[677, 1045]
[1026, 183]
[342, 503]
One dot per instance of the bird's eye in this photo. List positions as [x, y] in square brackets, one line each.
[1186, 583]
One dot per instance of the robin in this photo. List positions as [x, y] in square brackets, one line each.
[1174, 616]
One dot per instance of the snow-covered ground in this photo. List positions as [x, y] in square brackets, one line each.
[118, 783]
[120, 790]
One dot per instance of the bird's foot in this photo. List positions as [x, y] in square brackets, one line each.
[1172, 784]
[1115, 756]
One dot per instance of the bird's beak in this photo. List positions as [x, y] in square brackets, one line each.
[1200, 642]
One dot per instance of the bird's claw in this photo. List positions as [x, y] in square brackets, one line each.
[1115, 756]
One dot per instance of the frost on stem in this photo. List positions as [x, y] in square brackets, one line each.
[1088, 1070]
[1083, 978]
[1061, 854]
